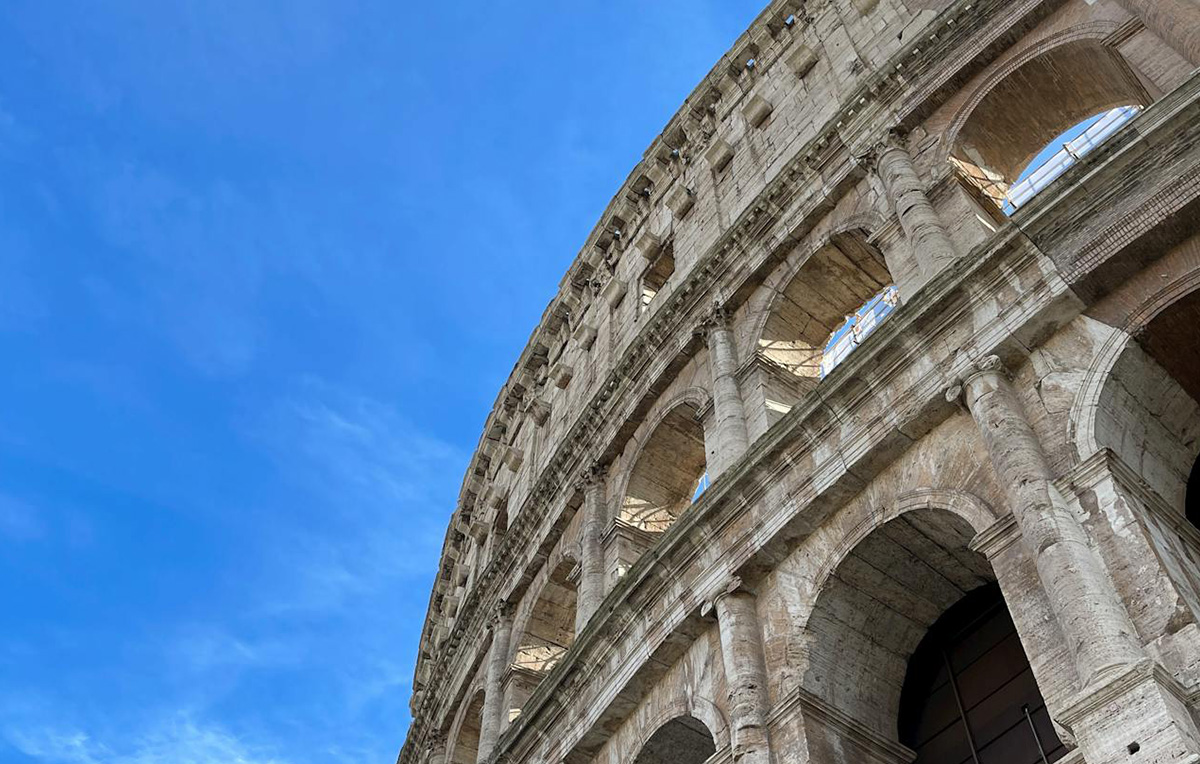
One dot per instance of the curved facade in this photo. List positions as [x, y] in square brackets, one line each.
[828, 451]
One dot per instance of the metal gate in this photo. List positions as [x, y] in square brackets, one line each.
[970, 697]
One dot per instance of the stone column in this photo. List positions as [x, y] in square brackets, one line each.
[492, 719]
[1175, 22]
[732, 438]
[745, 673]
[931, 246]
[591, 546]
[1097, 628]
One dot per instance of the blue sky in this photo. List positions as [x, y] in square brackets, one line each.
[263, 267]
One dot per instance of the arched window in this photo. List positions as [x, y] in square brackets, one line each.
[466, 742]
[1064, 151]
[668, 474]
[1148, 410]
[683, 740]
[969, 694]
[858, 327]
[551, 628]
[1032, 125]
[547, 635]
[834, 299]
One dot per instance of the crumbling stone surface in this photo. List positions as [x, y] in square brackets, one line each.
[687, 535]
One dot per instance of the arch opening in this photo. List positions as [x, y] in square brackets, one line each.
[1031, 126]
[1063, 152]
[683, 740]
[668, 474]
[1148, 412]
[970, 695]
[550, 630]
[548, 634]
[466, 742]
[834, 300]
[899, 590]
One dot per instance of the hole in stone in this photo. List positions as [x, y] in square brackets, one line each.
[1134, 747]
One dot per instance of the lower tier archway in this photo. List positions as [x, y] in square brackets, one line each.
[683, 740]
[910, 594]
[969, 694]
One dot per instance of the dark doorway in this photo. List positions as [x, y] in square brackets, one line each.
[970, 697]
[683, 740]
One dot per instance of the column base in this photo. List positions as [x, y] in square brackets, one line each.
[1135, 714]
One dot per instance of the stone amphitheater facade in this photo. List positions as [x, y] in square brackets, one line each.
[685, 538]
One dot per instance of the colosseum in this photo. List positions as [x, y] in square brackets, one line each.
[864, 425]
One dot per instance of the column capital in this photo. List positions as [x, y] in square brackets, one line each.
[718, 317]
[990, 366]
[893, 140]
[733, 585]
[593, 475]
[435, 742]
[501, 614]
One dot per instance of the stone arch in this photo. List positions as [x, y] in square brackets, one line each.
[1086, 405]
[817, 263]
[1141, 396]
[678, 739]
[866, 221]
[545, 636]
[804, 302]
[669, 460]
[464, 748]
[971, 509]
[1038, 94]
[683, 704]
[550, 628]
[877, 594]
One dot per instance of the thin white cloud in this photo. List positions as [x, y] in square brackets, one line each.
[388, 486]
[180, 740]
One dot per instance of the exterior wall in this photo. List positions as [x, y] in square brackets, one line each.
[1006, 413]
[686, 690]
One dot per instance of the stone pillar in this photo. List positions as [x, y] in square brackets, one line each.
[1091, 615]
[931, 246]
[492, 720]
[1128, 704]
[732, 438]
[591, 546]
[1175, 22]
[745, 673]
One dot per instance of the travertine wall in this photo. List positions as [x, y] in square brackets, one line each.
[1028, 415]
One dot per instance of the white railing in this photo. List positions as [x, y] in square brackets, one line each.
[857, 327]
[1069, 154]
